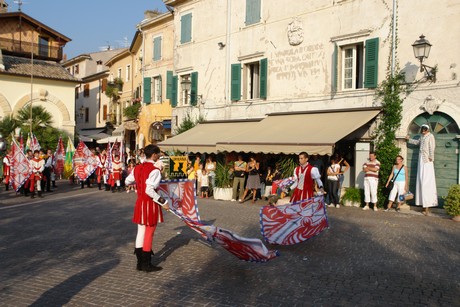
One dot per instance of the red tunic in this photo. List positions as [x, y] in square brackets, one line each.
[116, 170]
[146, 211]
[6, 170]
[100, 171]
[305, 191]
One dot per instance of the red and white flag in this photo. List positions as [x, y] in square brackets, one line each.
[294, 223]
[84, 162]
[20, 168]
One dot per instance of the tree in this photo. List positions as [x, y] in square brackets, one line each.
[7, 126]
[188, 123]
[47, 135]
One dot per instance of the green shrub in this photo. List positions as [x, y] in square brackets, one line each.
[353, 194]
[223, 175]
[452, 204]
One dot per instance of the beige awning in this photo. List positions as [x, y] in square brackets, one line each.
[294, 133]
[203, 137]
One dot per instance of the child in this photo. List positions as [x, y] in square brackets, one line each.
[130, 187]
[204, 183]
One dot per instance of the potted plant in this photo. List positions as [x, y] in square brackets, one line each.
[452, 202]
[352, 197]
[223, 189]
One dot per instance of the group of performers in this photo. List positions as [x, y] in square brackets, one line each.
[42, 175]
[109, 174]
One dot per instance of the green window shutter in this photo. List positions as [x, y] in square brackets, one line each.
[147, 90]
[252, 11]
[174, 92]
[157, 48]
[235, 82]
[194, 88]
[263, 78]
[169, 80]
[372, 61]
[186, 28]
[335, 69]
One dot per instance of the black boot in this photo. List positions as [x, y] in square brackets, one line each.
[32, 194]
[138, 253]
[119, 189]
[107, 187]
[7, 187]
[147, 265]
[82, 184]
[99, 185]
[40, 194]
[113, 189]
[54, 184]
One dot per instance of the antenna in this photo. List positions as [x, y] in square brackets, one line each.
[19, 3]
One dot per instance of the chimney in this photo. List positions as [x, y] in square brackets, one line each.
[149, 14]
[99, 66]
[3, 6]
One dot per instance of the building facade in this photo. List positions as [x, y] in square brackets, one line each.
[29, 70]
[255, 59]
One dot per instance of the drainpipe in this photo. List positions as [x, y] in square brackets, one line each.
[227, 64]
[139, 28]
[393, 44]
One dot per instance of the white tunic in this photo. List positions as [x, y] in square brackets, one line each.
[425, 192]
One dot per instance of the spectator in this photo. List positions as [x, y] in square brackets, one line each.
[400, 177]
[210, 167]
[252, 168]
[239, 169]
[371, 179]
[426, 195]
[204, 184]
[333, 172]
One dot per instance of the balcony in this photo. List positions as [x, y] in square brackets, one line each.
[23, 49]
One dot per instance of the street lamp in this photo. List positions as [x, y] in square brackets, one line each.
[422, 49]
[186, 85]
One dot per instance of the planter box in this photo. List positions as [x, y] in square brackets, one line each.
[223, 193]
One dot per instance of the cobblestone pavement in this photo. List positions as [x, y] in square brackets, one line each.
[75, 248]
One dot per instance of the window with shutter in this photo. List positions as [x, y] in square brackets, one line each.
[252, 12]
[147, 90]
[235, 82]
[169, 79]
[194, 89]
[174, 92]
[263, 78]
[335, 69]
[186, 28]
[157, 48]
[352, 70]
[371, 63]
[104, 112]
[86, 91]
[104, 84]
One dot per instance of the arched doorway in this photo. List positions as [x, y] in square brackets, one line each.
[446, 163]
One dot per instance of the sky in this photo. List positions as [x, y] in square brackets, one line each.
[90, 24]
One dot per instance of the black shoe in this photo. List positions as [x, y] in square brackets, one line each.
[147, 265]
[138, 253]
[40, 194]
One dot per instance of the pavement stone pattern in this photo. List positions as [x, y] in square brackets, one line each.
[75, 248]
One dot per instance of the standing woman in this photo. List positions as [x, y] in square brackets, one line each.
[253, 183]
[344, 166]
[210, 167]
[400, 176]
[332, 182]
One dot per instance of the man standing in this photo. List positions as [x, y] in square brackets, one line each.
[117, 169]
[371, 180]
[7, 169]
[304, 175]
[425, 194]
[38, 165]
[49, 162]
[147, 211]
[239, 169]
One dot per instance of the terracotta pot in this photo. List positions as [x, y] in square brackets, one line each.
[456, 218]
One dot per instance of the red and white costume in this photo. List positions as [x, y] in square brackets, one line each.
[147, 213]
[117, 169]
[6, 169]
[37, 165]
[101, 171]
[304, 185]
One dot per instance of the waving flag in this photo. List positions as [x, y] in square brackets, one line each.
[21, 143]
[20, 168]
[59, 158]
[293, 223]
[182, 202]
[282, 185]
[32, 142]
[69, 152]
[84, 162]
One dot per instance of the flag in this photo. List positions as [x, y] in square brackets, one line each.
[59, 158]
[69, 152]
[21, 143]
[32, 142]
[182, 203]
[84, 162]
[293, 223]
[282, 185]
[20, 168]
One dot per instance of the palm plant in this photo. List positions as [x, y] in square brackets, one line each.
[7, 126]
[40, 118]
